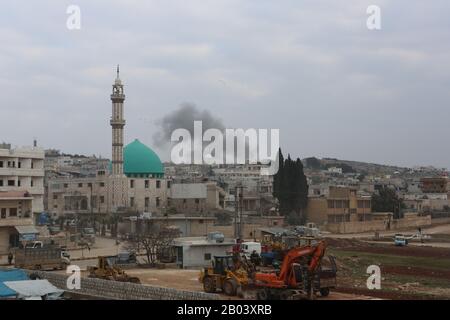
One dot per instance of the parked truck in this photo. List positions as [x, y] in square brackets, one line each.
[46, 258]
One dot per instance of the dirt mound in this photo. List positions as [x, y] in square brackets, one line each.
[344, 243]
[412, 251]
[414, 271]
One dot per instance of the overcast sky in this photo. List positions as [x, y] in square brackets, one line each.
[310, 68]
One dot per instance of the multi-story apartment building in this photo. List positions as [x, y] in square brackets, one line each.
[346, 204]
[340, 204]
[21, 193]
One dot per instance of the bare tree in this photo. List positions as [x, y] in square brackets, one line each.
[155, 240]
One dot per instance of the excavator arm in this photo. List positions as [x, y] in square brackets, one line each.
[313, 254]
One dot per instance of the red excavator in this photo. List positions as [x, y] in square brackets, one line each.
[296, 276]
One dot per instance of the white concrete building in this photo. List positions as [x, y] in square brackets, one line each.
[195, 252]
[21, 193]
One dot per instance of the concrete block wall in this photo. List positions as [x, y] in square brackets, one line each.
[378, 225]
[123, 290]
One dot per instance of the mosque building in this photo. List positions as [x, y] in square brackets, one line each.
[133, 183]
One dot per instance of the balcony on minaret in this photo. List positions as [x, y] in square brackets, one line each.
[117, 97]
[117, 122]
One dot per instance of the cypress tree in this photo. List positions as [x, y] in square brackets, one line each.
[290, 187]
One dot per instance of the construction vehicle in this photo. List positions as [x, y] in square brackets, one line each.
[228, 274]
[108, 270]
[41, 258]
[325, 278]
[296, 275]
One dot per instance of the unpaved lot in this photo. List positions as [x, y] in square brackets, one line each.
[409, 272]
[188, 280]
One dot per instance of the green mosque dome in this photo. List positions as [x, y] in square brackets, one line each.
[141, 162]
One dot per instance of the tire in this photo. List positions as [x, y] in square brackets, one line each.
[324, 292]
[240, 292]
[208, 285]
[285, 295]
[35, 276]
[134, 280]
[262, 294]
[229, 287]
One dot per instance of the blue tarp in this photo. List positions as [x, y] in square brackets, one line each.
[10, 275]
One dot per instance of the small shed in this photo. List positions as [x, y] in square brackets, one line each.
[196, 252]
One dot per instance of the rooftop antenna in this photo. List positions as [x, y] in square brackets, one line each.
[117, 71]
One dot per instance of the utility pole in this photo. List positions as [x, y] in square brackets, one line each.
[238, 198]
[92, 208]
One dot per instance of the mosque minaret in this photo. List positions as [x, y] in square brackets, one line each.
[117, 123]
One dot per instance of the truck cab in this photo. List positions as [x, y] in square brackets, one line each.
[34, 245]
[247, 248]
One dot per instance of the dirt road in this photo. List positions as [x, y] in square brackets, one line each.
[436, 229]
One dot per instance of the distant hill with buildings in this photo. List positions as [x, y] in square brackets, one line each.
[366, 168]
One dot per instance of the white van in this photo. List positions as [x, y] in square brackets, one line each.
[247, 248]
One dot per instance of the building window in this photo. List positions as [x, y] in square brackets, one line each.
[158, 184]
[360, 204]
[80, 185]
[19, 164]
[168, 184]
[197, 201]
[3, 215]
[32, 183]
[18, 183]
[90, 185]
[11, 183]
[147, 202]
[146, 184]
[157, 202]
[330, 204]
[102, 184]
[55, 196]
[131, 183]
[32, 164]
[66, 185]
[1, 183]
[132, 202]
[55, 206]
[1, 164]
[207, 256]
[102, 199]
[13, 212]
